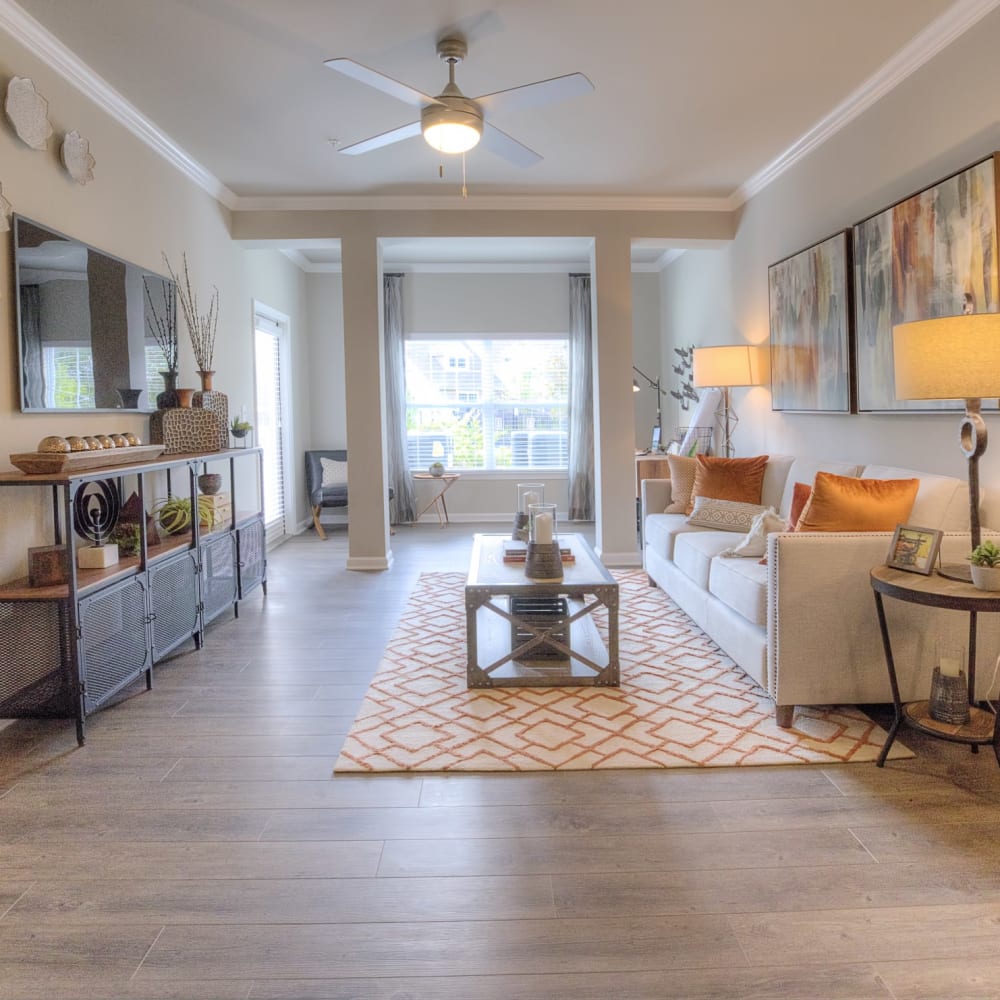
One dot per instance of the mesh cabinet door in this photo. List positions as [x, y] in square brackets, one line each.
[251, 551]
[114, 649]
[218, 575]
[35, 678]
[173, 602]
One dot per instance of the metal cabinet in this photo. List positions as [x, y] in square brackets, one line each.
[67, 648]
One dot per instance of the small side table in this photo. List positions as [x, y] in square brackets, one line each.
[437, 502]
[935, 591]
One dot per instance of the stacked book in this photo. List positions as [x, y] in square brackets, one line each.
[515, 551]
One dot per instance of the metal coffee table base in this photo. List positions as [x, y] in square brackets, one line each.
[567, 652]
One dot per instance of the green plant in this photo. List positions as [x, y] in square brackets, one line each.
[174, 513]
[985, 554]
[240, 427]
[125, 535]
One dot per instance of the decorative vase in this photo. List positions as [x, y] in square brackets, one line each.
[184, 397]
[986, 577]
[206, 380]
[167, 399]
[210, 482]
[129, 398]
[436, 469]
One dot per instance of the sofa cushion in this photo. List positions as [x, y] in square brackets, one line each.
[843, 503]
[804, 470]
[661, 530]
[695, 550]
[741, 584]
[942, 501]
[724, 515]
[682, 471]
[738, 479]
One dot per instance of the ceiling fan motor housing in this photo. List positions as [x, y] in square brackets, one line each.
[452, 111]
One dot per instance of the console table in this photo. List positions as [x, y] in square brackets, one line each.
[935, 591]
[67, 648]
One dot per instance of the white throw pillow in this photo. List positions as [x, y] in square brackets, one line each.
[754, 543]
[334, 472]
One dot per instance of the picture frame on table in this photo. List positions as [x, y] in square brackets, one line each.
[811, 316]
[655, 445]
[930, 255]
[914, 549]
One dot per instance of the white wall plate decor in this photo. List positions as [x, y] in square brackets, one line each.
[28, 112]
[4, 212]
[75, 152]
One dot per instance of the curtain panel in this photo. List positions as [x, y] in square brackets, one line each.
[395, 401]
[581, 401]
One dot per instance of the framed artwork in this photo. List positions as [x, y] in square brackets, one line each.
[914, 549]
[655, 442]
[809, 296]
[933, 254]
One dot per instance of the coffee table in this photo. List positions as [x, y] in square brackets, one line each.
[526, 634]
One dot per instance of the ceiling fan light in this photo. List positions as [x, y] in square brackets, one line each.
[451, 137]
[453, 129]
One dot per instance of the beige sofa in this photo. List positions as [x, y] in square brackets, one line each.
[804, 625]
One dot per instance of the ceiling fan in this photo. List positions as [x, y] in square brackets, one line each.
[452, 122]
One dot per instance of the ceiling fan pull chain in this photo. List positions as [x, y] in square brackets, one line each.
[465, 190]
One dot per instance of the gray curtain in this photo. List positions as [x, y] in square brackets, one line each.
[395, 399]
[581, 401]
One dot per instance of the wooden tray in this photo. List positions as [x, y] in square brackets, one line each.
[46, 463]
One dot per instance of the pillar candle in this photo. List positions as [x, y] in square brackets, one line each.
[951, 666]
[543, 529]
[529, 498]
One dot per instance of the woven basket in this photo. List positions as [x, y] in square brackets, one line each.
[949, 700]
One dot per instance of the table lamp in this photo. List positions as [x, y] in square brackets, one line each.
[724, 368]
[954, 357]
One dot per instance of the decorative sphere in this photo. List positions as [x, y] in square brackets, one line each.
[436, 469]
[133, 439]
[77, 443]
[95, 444]
[53, 445]
[120, 440]
[106, 440]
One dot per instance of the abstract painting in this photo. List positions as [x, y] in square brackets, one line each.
[810, 309]
[933, 254]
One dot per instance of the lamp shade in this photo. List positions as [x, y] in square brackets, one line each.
[954, 357]
[725, 366]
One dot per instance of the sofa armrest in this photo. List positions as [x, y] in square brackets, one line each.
[655, 496]
[824, 643]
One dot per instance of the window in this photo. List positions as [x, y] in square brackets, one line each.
[487, 404]
[69, 376]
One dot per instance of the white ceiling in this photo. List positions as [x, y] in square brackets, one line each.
[696, 102]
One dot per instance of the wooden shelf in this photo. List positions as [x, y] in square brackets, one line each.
[978, 730]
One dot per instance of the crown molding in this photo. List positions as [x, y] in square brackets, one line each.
[22, 27]
[487, 203]
[936, 37]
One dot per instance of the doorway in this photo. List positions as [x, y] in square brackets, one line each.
[270, 365]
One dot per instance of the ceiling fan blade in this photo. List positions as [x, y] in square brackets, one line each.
[385, 139]
[510, 149]
[534, 95]
[373, 78]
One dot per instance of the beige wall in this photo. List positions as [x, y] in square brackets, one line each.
[941, 119]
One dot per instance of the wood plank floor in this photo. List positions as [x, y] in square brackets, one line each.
[199, 848]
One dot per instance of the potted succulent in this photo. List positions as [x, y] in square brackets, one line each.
[240, 428]
[174, 513]
[985, 560]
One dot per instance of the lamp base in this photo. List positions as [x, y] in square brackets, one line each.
[956, 571]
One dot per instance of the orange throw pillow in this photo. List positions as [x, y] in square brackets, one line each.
[843, 503]
[738, 479]
[801, 493]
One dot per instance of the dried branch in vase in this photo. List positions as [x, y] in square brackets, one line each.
[201, 326]
[161, 320]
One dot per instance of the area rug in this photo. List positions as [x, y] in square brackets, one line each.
[682, 703]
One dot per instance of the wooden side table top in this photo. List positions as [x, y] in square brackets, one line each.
[933, 591]
[448, 477]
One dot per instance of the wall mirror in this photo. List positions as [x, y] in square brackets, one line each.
[86, 325]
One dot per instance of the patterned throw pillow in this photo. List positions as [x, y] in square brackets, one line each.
[334, 472]
[682, 473]
[725, 515]
[739, 479]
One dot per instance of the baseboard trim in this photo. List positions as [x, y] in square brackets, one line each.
[620, 560]
[369, 564]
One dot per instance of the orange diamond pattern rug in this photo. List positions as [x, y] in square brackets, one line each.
[682, 703]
